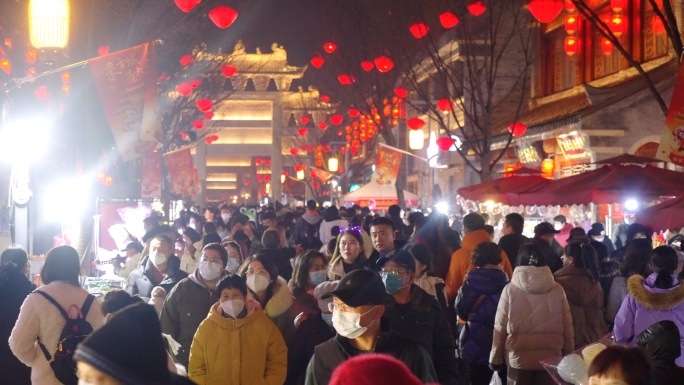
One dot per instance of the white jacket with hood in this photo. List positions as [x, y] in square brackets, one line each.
[533, 320]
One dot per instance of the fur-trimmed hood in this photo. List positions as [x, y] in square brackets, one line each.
[281, 300]
[651, 297]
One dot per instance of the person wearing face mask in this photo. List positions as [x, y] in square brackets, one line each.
[237, 344]
[187, 305]
[234, 256]
[309, 272]
[226, 215]
[272, 293]
[160, 268]
[513, 237]
[14, 288]
[193, 250]
[358, 318]
[544, 238]
[560, 224]
[598, 233]
[415, 313]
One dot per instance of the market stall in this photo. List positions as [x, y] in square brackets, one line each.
[379, 197]
[663, 216]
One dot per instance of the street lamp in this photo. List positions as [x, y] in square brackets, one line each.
[416, 139]
[49, 23]
[333, 164]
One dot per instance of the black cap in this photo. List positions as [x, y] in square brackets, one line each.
[596, 229]
[544, 228]
[358, 288]
[560, 218]
[400, 257]
[577, 234]
[420, 252]
[134, 245]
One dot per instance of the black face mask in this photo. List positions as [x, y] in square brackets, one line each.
[240, 236]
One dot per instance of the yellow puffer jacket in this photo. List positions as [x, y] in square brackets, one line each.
[244, 351]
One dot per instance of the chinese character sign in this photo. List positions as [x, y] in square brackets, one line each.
[528, 154]
[386, 166]
[572, 145]
[127, 83]
[151, 175]
[181, 171]
[671, 147]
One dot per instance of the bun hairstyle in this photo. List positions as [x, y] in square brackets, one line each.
[584, 256]
[664, 261]
[531, 255]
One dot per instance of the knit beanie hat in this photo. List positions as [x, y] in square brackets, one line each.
[129, 348]
[373, 369]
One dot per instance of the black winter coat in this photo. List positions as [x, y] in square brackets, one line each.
[424, 321]
[330, 354]
[475, 341]
[511, 244]
[661, 342]
[14, 288]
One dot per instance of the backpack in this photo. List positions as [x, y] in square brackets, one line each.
[75, 331]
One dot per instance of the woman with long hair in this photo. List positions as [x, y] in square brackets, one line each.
[235, 257]
[348, 255]
[658, 297]
[635, 261]
[579, 278]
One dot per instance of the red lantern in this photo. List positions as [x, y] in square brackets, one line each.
[204, 105]
[305, 119]
[246, 182]
[617, 25]
[323, 125]
[198, 124]
[400, 92]
[326, 148]
[267, 162]
[570, 45]
[445, 143]
[353, 112]
[344, 79]
[336, 119]
[383, 63]
[309, 148]
[267, 178]
[223, 16]
[448, 20]
[545, 11]
[518, 129]
[367, 65]
[571, 24]
[303, 131]
[294, 151]
[194, 83]
[285, 173]
[258, 161]
[312, 174]
[419, 30]
[319, 163]
[444, 105]
[42, 93]
[657, 25]
[415, 123]
[103, 50]
[317, 62]
[570, 6]
[229, 70]
[184, 89]
[617, 5]
[183, 135]
[259, 178]
[476, 8]
[325, 98]
[5, 65]
[547, 168]
[353, 150]
[186, 5]
[606, 46]
[211, 139]
[208, 115]
[187, 59]
[329, 47]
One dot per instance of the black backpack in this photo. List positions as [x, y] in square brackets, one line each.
[75, 331]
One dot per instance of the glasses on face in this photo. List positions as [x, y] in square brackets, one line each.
[332, 306]
[261, 272]
[400, 274]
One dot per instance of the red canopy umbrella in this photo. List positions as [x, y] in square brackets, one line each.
[663, 216]
[498, 190]
[612, 183]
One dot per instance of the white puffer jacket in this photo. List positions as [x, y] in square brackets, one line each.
[533, 320]
[40, 318]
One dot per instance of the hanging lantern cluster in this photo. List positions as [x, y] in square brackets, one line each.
[571, 44]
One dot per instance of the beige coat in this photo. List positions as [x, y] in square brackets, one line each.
[533, 320]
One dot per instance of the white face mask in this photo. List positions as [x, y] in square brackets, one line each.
[232, 265]
[318, 277]
[558, 226]
[257, 283]
[159, 259]
[348, 324]
[210, 270]
[233, 307]
[225, 218]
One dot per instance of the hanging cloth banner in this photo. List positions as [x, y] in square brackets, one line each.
[387, 165]
[127, 83]
[671, 148]
[181, 171]
[151, 175]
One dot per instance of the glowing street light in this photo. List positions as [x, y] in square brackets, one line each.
[49, 23]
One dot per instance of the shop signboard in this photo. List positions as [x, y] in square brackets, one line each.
[529, 154]
[671, 147]
[572, 144]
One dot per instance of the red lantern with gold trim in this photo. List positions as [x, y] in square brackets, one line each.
[571, 24]
[570, 45]
[617, 25]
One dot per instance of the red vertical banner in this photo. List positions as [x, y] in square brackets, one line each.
[127, 83]
[387, 165]
[181, 171]
[151, 175]
[671, 148]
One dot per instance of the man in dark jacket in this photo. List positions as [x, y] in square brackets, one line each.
[661, 342]
[189, 302]
[394, 214]
[384, 236]
[416, 314]
[361, 327]
[513, 237]
[310, 218]
[543, 237]
[159, 268]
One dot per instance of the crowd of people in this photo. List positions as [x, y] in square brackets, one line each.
[232, 295]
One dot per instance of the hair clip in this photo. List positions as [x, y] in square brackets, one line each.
[354, 229]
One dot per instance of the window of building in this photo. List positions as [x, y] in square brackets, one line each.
[561, 71]
[654, 39]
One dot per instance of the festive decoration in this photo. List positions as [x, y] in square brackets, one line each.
[194, 83]
[326, 148]
[305, 119]
[518, 129]
[317, 62]
[419, 30]
[353, 150]
[198, 124]
[570, 6]
[5, 65]
[48, 23]
[258, 161]
[617, 5]
[333, 164]
[204, 105]
[367, 65]
[444, 105]
[211, 139]
[103, 50]
[267, 162]
[294, 151]
[259, 178]
[186, 5]
[186, 60]
[415, 123]
[476, 8]
[208, 115]
[617, 25]
[323, 125]
[246, 182]
[329, 47]
[448, 20]
[353, 112]
[545, 11]
[416, 139]
[223, 16]
[325, 98]
[303, 131]
[606, 46]
[229, 70]
[184, 135]
[445, 143]
[547, 168]
[571, 24]
[267, 178]
[42, 93]
[344, 79]
[184, 89]
[336, 119]
[383, 63]
[570, 45]
[400, 92]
